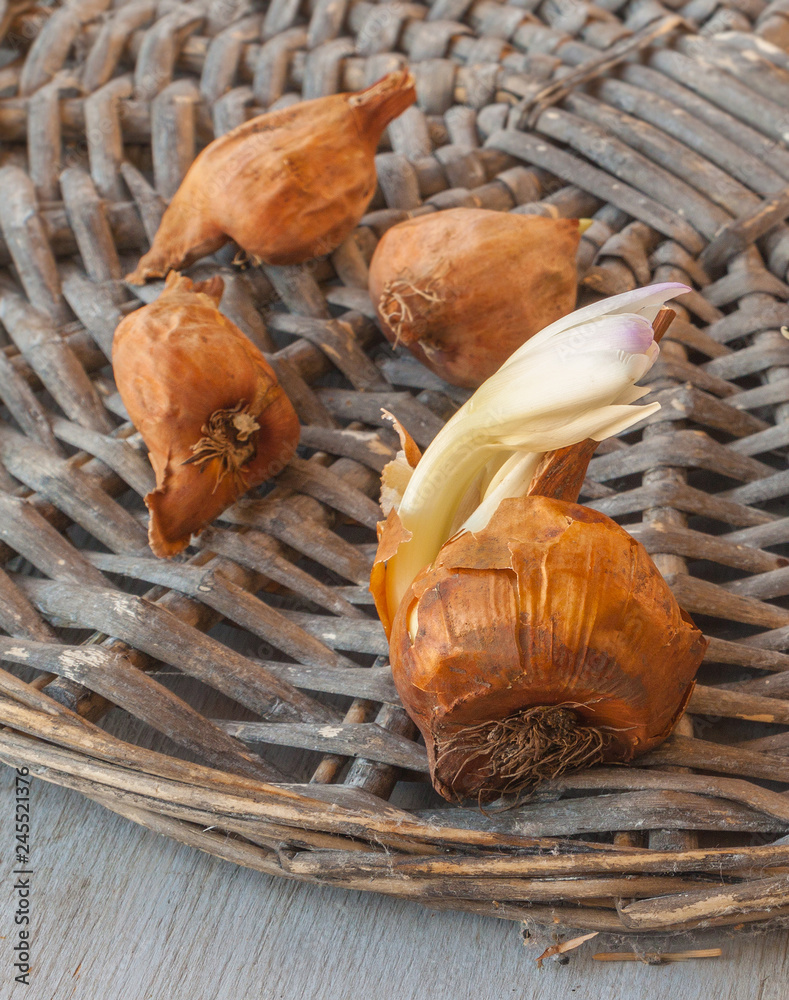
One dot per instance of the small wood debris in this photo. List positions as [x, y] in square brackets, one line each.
[560, 949]
[651, 958]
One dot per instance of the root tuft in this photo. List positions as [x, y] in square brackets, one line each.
[513, 755]
[228, 435]
[393, 304]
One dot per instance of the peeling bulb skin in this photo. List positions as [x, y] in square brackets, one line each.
[287, 186]
[207, 404]
[464, 288]
[551, 606]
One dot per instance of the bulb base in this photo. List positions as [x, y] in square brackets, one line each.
[511, 756]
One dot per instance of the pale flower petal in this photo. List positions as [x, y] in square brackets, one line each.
[626, 332]
[646, 302]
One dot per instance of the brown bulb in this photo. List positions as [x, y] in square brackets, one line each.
[207, 404]
[546, 642]
[464, 288]
[286, 186]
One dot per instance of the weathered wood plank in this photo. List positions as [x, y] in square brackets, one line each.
[36, 336]
[24, 530]
[692, 907]
[683, 498]
[229, 599]
[71, 490]
[684, 751]
[326, 486]
[373, 683]
[158, 632]
[267, 556]
[114, 676]
[362, 446]
[698, 545]
[356, 636]
[732, 704]
[309, 537]
[707, 598]
[536, 150]
[360, 739]
[685, 449]
[421, 423]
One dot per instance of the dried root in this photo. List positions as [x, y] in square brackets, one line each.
[393, 305]
[513, 755]
[229, 435]
[244, 260]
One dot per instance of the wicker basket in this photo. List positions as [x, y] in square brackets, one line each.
[669, 128]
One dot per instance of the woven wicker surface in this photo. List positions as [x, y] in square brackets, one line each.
[670, 129]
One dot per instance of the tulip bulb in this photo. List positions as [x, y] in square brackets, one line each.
[551, 629]
[462, 289]
[530, 635]
[286, 186]
[207, 404]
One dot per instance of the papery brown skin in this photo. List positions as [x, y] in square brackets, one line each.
[464, 288]
[551, 604]
[177, 361]
[286, 186]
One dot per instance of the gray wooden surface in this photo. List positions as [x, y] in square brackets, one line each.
[120, 913]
